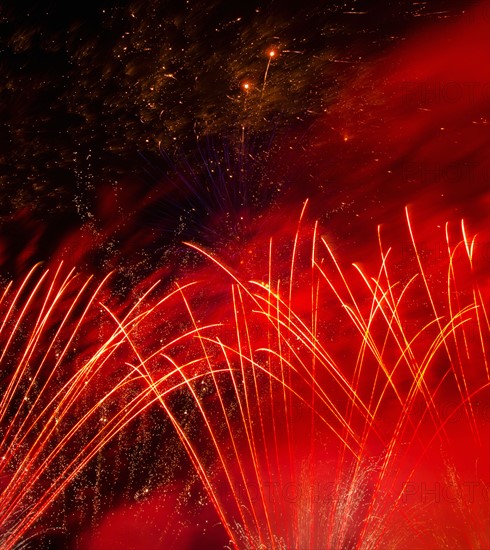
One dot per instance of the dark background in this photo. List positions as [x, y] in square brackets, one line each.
[112, 94]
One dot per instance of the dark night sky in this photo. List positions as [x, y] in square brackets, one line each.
[93, 95]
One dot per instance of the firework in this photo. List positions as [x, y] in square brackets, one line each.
[73, 377]
[289, 399]
[314, 441]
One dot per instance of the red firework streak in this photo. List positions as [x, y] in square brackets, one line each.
[73, 377]
[346, 433]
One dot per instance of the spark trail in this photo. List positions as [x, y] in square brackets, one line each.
[319, 442]
[72, 377]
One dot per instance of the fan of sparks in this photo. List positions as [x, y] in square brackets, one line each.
[323, 397]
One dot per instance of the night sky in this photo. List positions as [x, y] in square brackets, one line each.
[129, 130]
[118, 95]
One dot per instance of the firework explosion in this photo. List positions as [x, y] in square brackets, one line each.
[310, 368]
[64, 401]
[369, 413]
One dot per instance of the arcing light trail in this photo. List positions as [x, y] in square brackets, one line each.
[302, 438]
[72, 379]
[375, 407]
